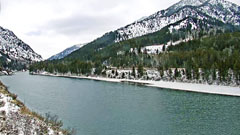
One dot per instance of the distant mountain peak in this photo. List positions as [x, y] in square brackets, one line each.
[220, 10]
[183, 3]
[196, 3]
[66, 52]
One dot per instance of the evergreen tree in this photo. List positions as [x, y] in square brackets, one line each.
[133, 72]
[189, 74]
[196, 74]
[164, 48]
[236, 70]
[116, 73]
[123, 75]
[214, 74]
[170, 73]
[140, 70]
[176, 73]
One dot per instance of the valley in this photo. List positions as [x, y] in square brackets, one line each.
[176, 71]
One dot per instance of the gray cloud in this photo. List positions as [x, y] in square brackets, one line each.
[34, 33]
[54, 25]
[82, 24]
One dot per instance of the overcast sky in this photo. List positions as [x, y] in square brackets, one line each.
[50, 26]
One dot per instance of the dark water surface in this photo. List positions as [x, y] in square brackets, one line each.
[103, 108]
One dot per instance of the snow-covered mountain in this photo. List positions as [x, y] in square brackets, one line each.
[218, 11]
[14, 49]
[66, 52]
[187, 19]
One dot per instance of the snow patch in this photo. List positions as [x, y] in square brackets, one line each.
[66, 52]
[16, 49]
[204, 10]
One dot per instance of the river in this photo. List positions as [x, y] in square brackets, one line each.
[105, 108]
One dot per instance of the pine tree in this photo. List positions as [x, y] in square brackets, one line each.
[123, 75]
[164, 48]
[214, 74]
[236, 69]
[116, 73]
[176, 73]
[170, 73]
[133, 72]
[140, 70]
[188, 74]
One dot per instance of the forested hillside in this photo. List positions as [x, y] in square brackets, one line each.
[191, 40]
[212, 57]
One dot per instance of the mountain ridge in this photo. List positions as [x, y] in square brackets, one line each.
[66, 52]
[13, 49]
[204, 22]
[182, 43]
[184, 8]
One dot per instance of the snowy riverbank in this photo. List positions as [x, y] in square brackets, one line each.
[17, 119]
[200, 88]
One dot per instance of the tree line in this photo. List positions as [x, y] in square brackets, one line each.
[73, 67]
[218, 57]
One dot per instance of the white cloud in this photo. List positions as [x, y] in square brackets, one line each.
[49, 26]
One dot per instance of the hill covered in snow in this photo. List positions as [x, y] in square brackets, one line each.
[206, 11]
[187, 19]
[13, 50]
[66, 52]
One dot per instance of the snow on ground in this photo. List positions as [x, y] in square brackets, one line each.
[7, 105]
[153, 49]
[16, 120]
[15, 48]
[156, 49]
[221, 10]
[200, 88]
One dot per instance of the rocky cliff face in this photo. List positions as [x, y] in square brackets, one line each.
[14, 49]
